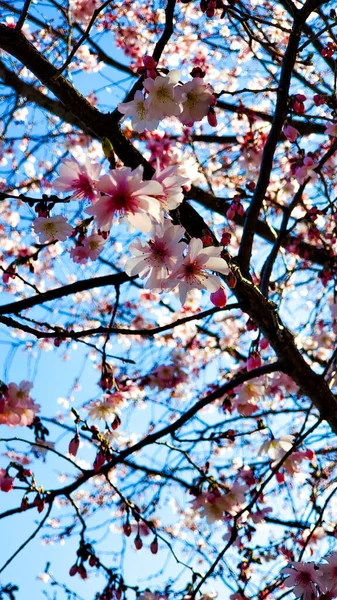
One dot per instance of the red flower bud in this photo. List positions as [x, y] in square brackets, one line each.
[154, 546]
[138, 542]
[6, 484]
[127, 529]
[74, 445]
[73, 570]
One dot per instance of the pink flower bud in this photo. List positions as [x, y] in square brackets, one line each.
[230, 213]
[73, 570]
[219, 298]
[291, 133]
[82, 572]
[211, 117]
[263, 343]
[254, 361]
[99, 461]
[6, 484]
[138, 542]
[149, 62]
[73, 445]
[280, 477]
[127, 529]
[154, 546]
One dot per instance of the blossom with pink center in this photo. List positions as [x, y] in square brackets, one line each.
[331, 129]
[125, 194]
[157, 258]
[172, 182]
[106, 409]
[302, 577]
[306, 170]
[327, 575]
[52, 228]
[166, 377]
[214, 504]
[78, 179]
[191, 273]
[196, 98]
[137, 110]
[16, 406]
[90, 247]
[82, 10]
[161, 101]
[291, 133]
[247, 395]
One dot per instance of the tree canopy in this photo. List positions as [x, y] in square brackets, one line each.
[168, 227]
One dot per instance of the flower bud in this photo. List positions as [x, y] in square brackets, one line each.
[73, 445]
[154, 546]
[219, 298]
[73, 570]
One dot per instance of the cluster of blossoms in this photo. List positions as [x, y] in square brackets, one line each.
[165, 260]
[213, 504]
[16, 406]
[162, 260]
[311, 581]
[164, 97]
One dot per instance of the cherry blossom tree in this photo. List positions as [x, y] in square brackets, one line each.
[168, 215]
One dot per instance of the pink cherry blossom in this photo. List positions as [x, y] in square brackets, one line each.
[247, 396]
[327, 575]
[291, 133]
[16, 406]
[157, 258]
[161, 101]
[78, 179]
[125, 194]
[191, 273]
[52, 228]
[172, 181]
[90, 247]
[331, 129]
[302, 577]
[196, 98]
[138, 111]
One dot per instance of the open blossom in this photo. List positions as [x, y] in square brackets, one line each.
[157, 258]
[213, 504]
[139, 113]
[166, 377]
[161, 101]
[106, 409]
[302, 577]
[191, 273]
[82, 10]
[196, 98]
[125, 194]
[16, 406]
[52, 228]
[171, 181]
[90, 247]
[277, 448]
[327, 575]
[331, 129]
[78, 179]
[247, 396]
